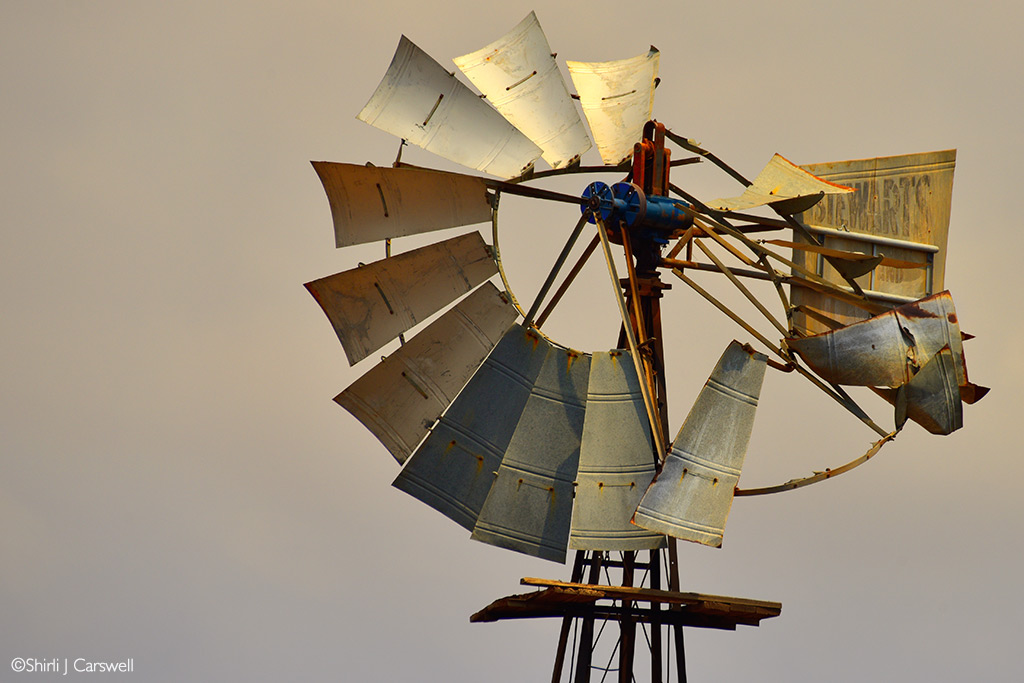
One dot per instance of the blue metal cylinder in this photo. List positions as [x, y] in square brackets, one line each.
[666, 213]
[626, 202]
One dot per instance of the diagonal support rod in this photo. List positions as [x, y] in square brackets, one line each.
[559, 262]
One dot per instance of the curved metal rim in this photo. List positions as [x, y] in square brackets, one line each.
[497, 249]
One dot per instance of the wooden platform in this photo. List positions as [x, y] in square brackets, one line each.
[563, 599]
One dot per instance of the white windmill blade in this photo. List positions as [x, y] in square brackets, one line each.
[519, 76]
[370, 305]
[781, 184]
[419, 101]
[691, 496]
[399, 398]
[370, 203]
[617, 99]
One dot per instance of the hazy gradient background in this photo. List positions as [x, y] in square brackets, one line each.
[177, 486]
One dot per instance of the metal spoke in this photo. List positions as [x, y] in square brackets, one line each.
[558, 266]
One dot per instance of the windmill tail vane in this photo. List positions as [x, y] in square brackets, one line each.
[539, 448]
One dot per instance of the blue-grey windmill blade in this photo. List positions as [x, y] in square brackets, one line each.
[530, 502]
[616, 460]
[453, 468]
[691, 496]
[519, 76]
[421, 102]
[533, 423]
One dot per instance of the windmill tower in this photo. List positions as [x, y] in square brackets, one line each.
[541, 449]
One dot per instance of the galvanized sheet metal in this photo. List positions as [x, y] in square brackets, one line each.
[617, 99]
[899, 200]
[779, 182]
[529, 506]
[519, 76]
[616, 460]
[370, 203]
[420, 101]
[401, 397]
[691, 497]
[888, 349]
[932, 397]
[372, 304]
[453, 469]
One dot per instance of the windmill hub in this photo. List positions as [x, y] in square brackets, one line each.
[628, 204]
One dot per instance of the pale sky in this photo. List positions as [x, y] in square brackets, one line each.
[176, 484]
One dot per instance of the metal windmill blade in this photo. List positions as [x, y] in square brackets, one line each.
[419, 101]
[400, 398]
[782, 185]
[615, 459]
[691, 496]
[931, 398]
[538, 448]
[901, 349]
[373, 304]
[453, 469]
[519, 76]
[369, 204]
[617, 99]
[888, 349]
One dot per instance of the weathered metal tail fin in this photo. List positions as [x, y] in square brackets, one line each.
[900, 210]
[913, 356]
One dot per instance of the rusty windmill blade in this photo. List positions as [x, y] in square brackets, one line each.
[888, 349]
[931, 398]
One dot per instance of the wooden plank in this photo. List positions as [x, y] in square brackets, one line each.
[651, 595]
[573, 602]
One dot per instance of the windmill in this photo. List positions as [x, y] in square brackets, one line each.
[541, 449]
